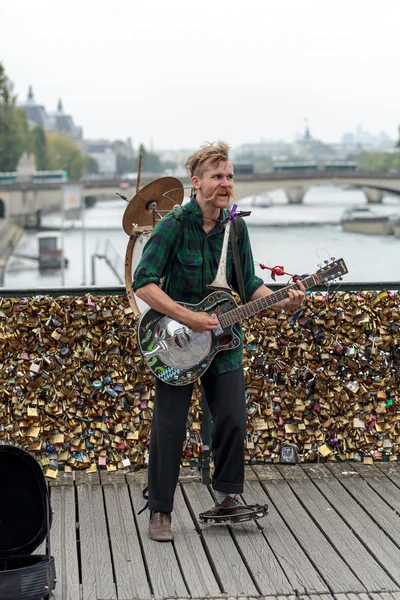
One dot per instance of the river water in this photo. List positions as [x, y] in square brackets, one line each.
[297, 237]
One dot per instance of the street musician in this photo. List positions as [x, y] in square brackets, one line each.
[185, 253]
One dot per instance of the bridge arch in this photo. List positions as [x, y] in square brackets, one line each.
[2, 209]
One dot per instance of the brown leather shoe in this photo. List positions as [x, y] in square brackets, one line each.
[231, 510]
[232, 506]
[160, 527]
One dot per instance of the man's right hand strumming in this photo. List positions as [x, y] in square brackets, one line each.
[157, 299]
[201, 322]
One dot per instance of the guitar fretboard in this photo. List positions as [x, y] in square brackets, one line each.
[251, 308]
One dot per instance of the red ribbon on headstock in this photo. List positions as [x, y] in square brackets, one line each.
[279, 270]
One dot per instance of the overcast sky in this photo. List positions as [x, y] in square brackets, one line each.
[177, 73]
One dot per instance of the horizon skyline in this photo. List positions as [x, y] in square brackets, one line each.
[296, 136]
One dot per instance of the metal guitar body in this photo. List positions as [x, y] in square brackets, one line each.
[175, 353]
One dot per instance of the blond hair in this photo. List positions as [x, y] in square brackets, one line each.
[208, 154]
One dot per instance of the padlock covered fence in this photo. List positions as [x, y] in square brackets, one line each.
[76, 393]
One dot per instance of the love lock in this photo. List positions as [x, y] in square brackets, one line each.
[36, 366]
[56, 335]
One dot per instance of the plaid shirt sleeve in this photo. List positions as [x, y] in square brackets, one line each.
[251, 281]
[157, 253]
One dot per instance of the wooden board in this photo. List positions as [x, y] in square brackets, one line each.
[378, 545]
[64, 543]
[377, 509]
[199, 576]
[232, 572]
[166, 579]
[286, 565]
[321, 517]
[97, 572]
[340, 536]
[332, 568]
[130, 574]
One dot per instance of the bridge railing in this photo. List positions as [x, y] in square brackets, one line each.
[76, 393]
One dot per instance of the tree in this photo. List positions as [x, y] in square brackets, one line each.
[151, 162]
[125, 165]
[14, 131]
[65, 155]
[39, 147]
[92, 166]
[378, 161]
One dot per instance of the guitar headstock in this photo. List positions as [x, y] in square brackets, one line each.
[331, 271]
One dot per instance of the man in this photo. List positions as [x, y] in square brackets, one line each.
[183, 254]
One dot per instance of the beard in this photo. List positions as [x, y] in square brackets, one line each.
[228, 191]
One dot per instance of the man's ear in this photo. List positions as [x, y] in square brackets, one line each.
[196, 182]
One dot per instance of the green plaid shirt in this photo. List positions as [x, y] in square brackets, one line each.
[183, 259]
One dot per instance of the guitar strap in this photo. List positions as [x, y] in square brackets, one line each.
[235, 232]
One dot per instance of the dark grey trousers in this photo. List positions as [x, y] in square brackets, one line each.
[226, 399]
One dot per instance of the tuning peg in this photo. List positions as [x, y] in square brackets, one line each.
[340, 278]
[326, 261]
[333, 258]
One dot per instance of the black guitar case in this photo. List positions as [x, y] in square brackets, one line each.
[25, 520]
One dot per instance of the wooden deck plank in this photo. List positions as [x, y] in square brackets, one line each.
[379, 511]
[389, 468]
[266, 472]
[263, 565]
[383, 550]
[190, 551]
[315, 597]
[260, 559]
[352, 597]
[387, 490]
[392, 472]
[367, 471]
[97, 573]
[279, 548]
[346, 544]
[130, 573]
[316, 471]
[232, 572]
[382, 596]
[323, 556]
[162, 565]
[292, 560]
[353, 507]
[64, 544]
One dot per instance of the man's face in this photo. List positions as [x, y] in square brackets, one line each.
[216, 184]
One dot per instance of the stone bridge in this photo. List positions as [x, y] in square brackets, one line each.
[28, 197]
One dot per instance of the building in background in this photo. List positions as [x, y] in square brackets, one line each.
[275, 149]
[124, 149]
[63, 124]
[35, 113]
[363, 141]
[103, 152]
[59, 121]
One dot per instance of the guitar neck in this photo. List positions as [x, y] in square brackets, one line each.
[255, 306]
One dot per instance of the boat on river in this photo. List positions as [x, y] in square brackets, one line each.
[262, 201]
[361, 219]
